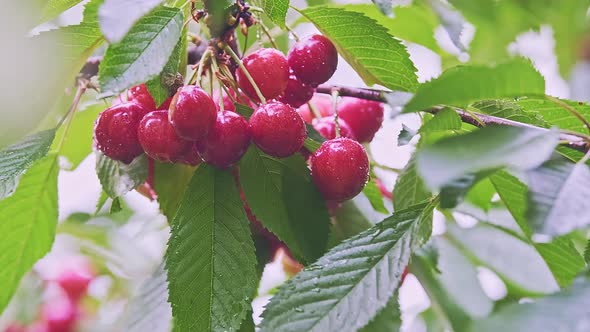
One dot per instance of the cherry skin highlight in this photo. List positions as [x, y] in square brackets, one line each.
[115, 131]
[327, 128]
[340, 169]
[269, 69]
[227, 141]
[277, 129]
[297, 93]
[192, 112]
[159, 139]
[322, 103]
[364, 117]
[313, 59]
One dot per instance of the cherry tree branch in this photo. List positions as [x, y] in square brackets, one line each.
[574, 141]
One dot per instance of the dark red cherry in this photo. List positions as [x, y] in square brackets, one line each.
[159, 139]
[322, 103]
[327, 128]
[297, 93]
[190, 157]
[364, 117]
[340, 169]
[192, 112]
[115, 131]
[313, 59]
[269, 69]
[277, 129]
[141, 95]
[227, 141]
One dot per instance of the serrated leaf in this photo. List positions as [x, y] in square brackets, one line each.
[78, 144]
[17, 158]
[374, 195]
[148, 309]
[282, 196]
[117, 178]
[351, 283]
[367, 46]
[511, 110]
[28, 220]
[485, 149]
[587, 252]
[158, 86]
[118, 16]
[409, 188]
[563, 259]
[348, 221]
[447, 119]
[556, 114]
[481, 194]
[557, 199]
[388, 319]
[143, 52]
[463, 85]
[210, 258]
[568, 310]
[170, 182]
[514, 194]
[54, 8]
[276, 10]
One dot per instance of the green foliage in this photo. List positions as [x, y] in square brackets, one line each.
[388, 319]
[447, 119]
[562, 258]
[276, 10]
[511, 110]
[79, 144]
[282, 196]
[17, 158]
[385, 6]
[367, 46]
[409, 188]
[117, 17]
[28, 221]
[462, 85]
[169, 182]
[368, 268]
[143, 52]
[555, 112]
[159, 86]
[513, 193]
[54, 8]
[118, 178]
[210, 258]
[374, 195]
[348, 221]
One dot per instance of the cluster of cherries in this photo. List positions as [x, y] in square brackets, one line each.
[189, 128]
[62, 312]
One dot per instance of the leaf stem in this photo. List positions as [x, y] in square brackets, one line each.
[246, 72]
[82, 87]
[335, 109]
[267, 33]
[214, 70]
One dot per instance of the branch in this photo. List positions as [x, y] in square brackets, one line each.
[574, 141]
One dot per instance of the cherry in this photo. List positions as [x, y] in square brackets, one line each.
[60, 315]
[159, 139]
[192, 112]
[269, 69]
[297, 93]
[190, 157]
[75, 282]
[363, 116]
[322, 103]
[340, 169]
[142, 96]
[227, 141]
[313, 59]
[115, 131]
[277, 129]
[327, 128]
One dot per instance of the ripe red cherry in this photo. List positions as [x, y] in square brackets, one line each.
[269, 69]
[115, 131]
[75, 282]
[141, 95]
[313, 59]
[159, 139]
[60, 315]
[227, 141]
[277, 129]
[327, 128]
[297, 93]
[192, 112]
[363, 116]
[190, 157]
[340, 169]
[322, 103]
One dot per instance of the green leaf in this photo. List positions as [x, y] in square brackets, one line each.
[587, 253]
[170, 181]
[347, 222]
[314, 140]
[556, 114]
[351, 283]
[54, 8]
[514, 194]
[374, 195]
[564, 261]
[481, 194]
[143, 52]
[210, 258]
[463, 85]
[282, 196]
[447, 119]
[557, 200]
[454, 192]
[511, 110]
[17, 158]
[276, 10]
[385, 6]
[117, 178]
[388, 319]
[567, 310]
[117, 16]
[367, 46]
[28, 220]
[78, 143]
[485, 149]
[159, 86]
[409, 189]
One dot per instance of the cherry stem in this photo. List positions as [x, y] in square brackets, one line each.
[314, 110]
[267, 33]
[246, 72]
[215, 70]
[292, 32]
[199, 72]
[335, 108]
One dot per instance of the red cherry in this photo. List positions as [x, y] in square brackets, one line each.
[297, 93]
[75, 282]
[322, 103]
[60, 315]
[269, 69]
[327, 128]
[159, 139]
[313, 59]
[227, 141]
[142, 96]
[192, 112]
[364, 117]
[340, 169]
[165, 105]
[115, 131]
[190, 157]
[277, 129]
